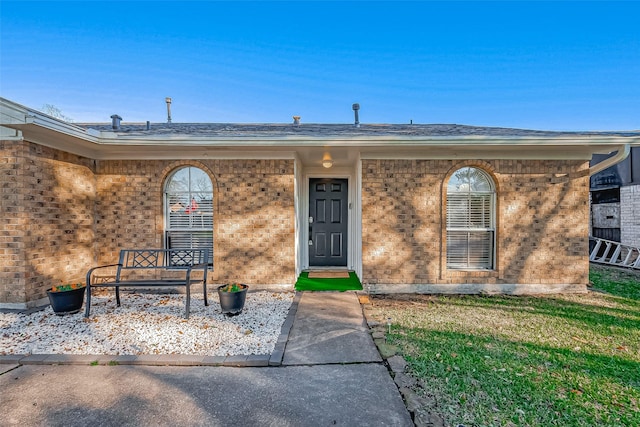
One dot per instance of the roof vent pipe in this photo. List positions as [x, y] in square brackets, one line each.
[296, 120]
[115, 122]
[168, 101]
[356, 107]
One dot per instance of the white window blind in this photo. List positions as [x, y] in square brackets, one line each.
[470, 249]
[470, 220]
[189, 210]
[469, 210]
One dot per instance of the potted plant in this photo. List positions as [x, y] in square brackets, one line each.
[66, 298]
[232, 297]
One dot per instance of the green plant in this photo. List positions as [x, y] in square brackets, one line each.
[233, 287]
[67, 287]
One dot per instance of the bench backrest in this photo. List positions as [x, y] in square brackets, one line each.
[162, 258]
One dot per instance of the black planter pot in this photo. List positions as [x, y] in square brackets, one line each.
[232, 303]
[66, 302]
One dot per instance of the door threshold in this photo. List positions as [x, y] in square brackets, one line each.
[329, 274]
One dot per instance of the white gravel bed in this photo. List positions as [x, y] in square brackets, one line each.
[150, 324]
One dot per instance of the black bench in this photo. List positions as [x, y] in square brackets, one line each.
[134, 261]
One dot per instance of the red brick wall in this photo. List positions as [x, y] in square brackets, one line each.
[63, 214]
[47, 211]
[400, 221]
[542, 222]
[254, 218]
[12, 245]
[60, 218]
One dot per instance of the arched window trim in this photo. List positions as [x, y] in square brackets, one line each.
[470, 220]
[188, 209]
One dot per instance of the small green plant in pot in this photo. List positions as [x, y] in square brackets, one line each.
[232, 297]
[66, 298]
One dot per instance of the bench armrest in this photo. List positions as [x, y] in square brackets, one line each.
[99, 267]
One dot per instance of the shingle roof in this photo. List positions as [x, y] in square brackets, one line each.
[226, 130]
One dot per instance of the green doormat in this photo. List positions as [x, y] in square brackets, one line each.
[334, 284]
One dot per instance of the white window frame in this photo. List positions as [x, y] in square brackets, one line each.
[471, 230]
[193, 215]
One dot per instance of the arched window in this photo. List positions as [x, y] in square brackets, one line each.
[470, 220]
[188, 207]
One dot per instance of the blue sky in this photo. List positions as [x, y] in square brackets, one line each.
[537, 65]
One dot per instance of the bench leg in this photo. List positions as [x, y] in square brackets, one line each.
[87, 304]
[118, 296]
[188, 303]
[204, 287]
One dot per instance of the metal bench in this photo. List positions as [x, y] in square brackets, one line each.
[134, 261]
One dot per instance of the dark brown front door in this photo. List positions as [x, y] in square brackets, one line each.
[328, 213]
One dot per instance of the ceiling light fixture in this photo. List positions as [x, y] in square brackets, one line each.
[327, 161]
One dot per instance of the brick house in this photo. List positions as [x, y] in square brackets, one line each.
[615, 199]
[409, 208]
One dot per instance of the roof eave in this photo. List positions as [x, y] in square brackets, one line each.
[42, 129]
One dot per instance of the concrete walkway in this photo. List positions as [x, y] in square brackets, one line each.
[329, 328]
[331, 374]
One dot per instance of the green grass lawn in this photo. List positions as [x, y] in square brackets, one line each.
[562, 360]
